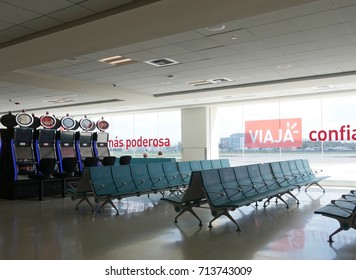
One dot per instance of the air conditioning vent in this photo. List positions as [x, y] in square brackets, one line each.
[160, 62]
[209, 82]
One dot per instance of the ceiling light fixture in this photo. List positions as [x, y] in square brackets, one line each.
[284, 66]
[71, 59]
[116, 60]
[322, 87]
[215, 28]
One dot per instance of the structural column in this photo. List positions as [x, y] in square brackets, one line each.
[199, 140]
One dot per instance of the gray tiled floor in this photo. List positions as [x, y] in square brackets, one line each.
[52, 229]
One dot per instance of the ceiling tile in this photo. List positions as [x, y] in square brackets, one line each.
[71, 13]
[41, 23]
[168, 50]
[183, 37]
[100, 5]
[348, 13]
[260, 19]
[4, 25]
[199, 44]
[273, 29]
[40, 6]
[331, 31]
[16, 15]
[347, 49]
[307, 9]
[233, 37]
[343, 3]
[15, 32]
[317, 20]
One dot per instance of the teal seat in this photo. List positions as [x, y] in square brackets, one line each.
[266, 187]
[216, 163]
[343, 210]
[81, 189]
[312, 175]
[232, 188]
[191, 198]
[103, 185]
[225, 162]
[185, 171]
[173, 175]
[158, 177]
[124, 182]
[142, 178]
[195, 165]
[219, 202]
[247, 185]
[206, 164]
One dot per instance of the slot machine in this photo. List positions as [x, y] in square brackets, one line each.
[84, 141]
[17, 157]
[45, 138]
[101, 139]
[65, 141]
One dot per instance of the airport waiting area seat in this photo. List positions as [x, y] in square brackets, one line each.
[107, 183]
[221, 189]
[343, 210]
[226, 189]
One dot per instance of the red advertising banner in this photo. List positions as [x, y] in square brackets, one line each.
[279, 133]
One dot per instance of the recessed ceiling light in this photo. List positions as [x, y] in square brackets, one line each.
[321, 87]
[71, 59]
[116, 60]
[284, 66]
[59, 100]
[215, 28]
[227, 97]
[200, 83]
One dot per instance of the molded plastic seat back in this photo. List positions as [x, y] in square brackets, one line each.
[124, 182]
[141, 177]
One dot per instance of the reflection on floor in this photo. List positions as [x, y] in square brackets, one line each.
[52, 229]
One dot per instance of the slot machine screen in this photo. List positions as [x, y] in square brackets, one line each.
[46, 136]
[23, 135]
[103, 138]
[86, 151]
[86, 138]
[67, 137]
[68, 152]
[47, 152]
[24, 153]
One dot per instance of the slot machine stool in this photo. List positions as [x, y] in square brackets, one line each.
[46, 169]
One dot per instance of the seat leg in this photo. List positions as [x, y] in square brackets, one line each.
[267, 202]
[315, 183]
[280, 198]
[292, 195]
[85, 198]
[330, 240]
[227, 214]
[189, 209]
[109, 201]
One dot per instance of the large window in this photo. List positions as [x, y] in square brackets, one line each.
[135, 133]
[317, 128]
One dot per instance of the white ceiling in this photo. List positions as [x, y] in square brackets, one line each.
[49, 52]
